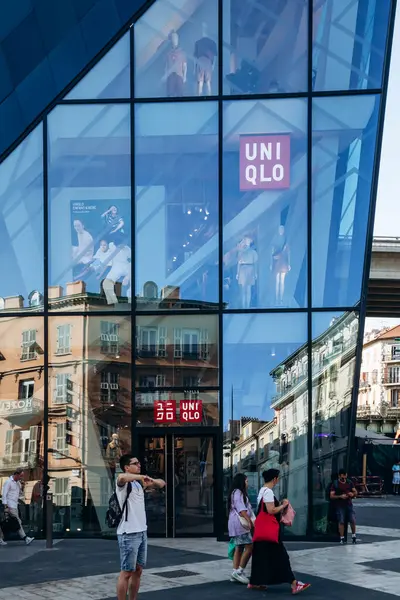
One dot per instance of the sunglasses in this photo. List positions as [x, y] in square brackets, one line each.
[133, 464]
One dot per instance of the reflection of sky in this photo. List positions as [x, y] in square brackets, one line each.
[21, 218]
[253, 346]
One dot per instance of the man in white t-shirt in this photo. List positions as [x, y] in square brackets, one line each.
[132, 530]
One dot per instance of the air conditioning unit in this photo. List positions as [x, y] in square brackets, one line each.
[104, 386]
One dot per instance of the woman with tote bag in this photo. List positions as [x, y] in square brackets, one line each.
[270, 562]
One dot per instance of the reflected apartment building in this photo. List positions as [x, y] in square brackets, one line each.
[90, 398]
[282, 442]
[378, 408]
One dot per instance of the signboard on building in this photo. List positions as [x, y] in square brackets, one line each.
[165, 411]
[191, 411]
[264, 162]
[19, 407]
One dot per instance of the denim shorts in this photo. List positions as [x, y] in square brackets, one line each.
[243, 540]
[132, 550]
[346, 513]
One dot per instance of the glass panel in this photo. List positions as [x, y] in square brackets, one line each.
[273, 434]
[265, 203]
[21, 224]
[89, 416]
[89, 207]
[177, 206]
[176, 50]
[194, 485]
[176, 352]
[152, 453]
[344, 137]
[109, 78]
[349, 43]
[22, 413]
[333, 363]
[265, 46]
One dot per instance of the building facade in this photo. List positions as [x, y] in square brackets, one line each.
[186, 241]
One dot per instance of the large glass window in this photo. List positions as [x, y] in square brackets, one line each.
[266, 403]
[265, 46]
[265, 203]
[22, 413]
[89, 416]
[176, 50]
[21, 224]
[89, 207]
[177, 206]
[333, 362]
[344, 137]
[109, 78]
[176, 352]
[349, 44]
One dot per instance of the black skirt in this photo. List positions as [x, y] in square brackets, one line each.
[270, 564]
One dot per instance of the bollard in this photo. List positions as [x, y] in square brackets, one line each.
[49, 521]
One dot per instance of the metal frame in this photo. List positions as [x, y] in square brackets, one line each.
[215, 432]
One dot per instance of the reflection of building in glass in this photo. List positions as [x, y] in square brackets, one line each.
[378, 408]
[197, 291]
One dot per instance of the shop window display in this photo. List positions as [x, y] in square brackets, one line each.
[176, 50]
[265, 203]
[176, 206]
[265, 46]
[89, 207]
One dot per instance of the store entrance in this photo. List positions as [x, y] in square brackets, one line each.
[186, 505]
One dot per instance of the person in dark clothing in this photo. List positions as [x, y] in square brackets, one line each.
[271, 563]
[342, 494]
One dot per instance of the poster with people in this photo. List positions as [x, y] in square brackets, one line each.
[100, 246]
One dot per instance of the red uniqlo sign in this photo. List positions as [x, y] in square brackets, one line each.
[165, 411]
[191, 411]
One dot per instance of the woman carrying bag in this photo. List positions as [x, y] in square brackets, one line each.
[270, 562]
[240, 526]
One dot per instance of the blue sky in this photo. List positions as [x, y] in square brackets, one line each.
[388, 204]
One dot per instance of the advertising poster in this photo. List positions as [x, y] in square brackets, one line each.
[101, 250]
[264, 162]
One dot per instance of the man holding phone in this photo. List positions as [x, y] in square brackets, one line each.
[342, 493]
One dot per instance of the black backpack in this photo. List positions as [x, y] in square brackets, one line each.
[115, 512]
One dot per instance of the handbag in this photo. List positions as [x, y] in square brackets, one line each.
[288, 516]
[9, 524]
[244, 522]
[266, 528]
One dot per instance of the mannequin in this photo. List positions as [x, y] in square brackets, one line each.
[205, 53]
[246, 270]
[113, 452]
[175, 68]
[280, 263]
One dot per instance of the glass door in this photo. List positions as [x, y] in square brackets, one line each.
[186, 463]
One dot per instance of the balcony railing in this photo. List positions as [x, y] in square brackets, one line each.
[18, 459]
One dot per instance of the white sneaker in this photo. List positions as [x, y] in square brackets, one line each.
[3, 543]
[29, 540]
[240, 577]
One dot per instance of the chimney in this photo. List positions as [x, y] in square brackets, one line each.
[78, 287]
[55, 291]
[170, 291]
[13, 302]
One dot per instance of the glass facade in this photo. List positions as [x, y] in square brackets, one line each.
[184, 238]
